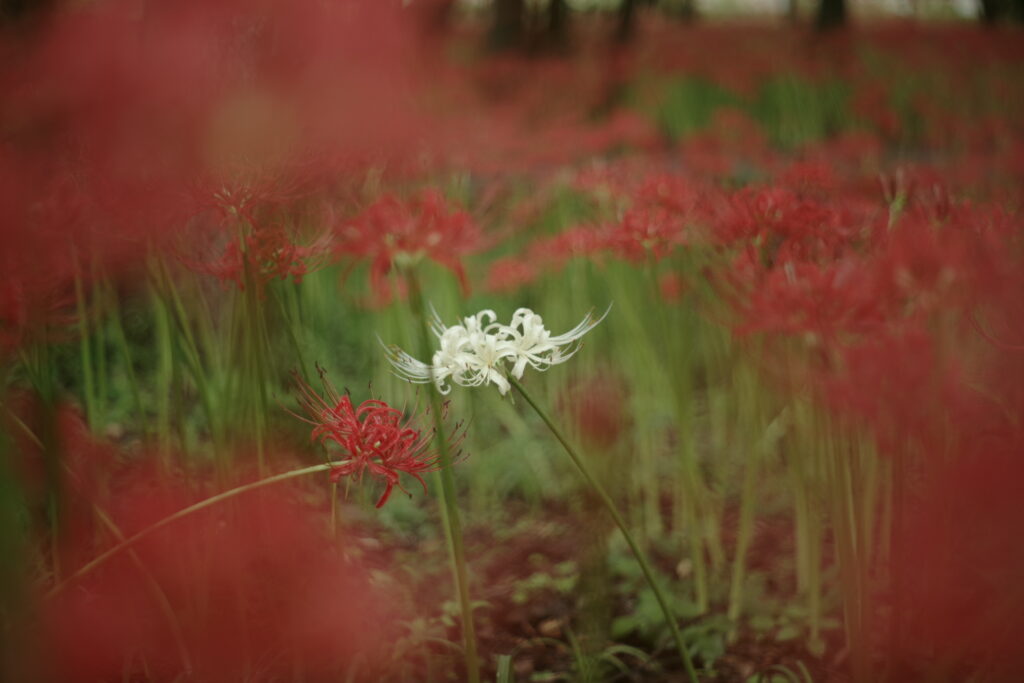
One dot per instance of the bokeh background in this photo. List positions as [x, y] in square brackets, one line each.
[802, 218]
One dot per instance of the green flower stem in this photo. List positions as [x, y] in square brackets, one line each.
[743, 538]
[449, 509]
[121, 340]
[610, 505]
[897, 572]
[100, 348]
[257, 352]
[176, 312]
[86, 355]
[288, 302]
[38, 363]
[844, 525]
[164, 375]
[180, 514]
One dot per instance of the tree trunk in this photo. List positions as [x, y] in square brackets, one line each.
[509, 23]
[991, 11]
[627, 14]
[688, 10]
[558, 23]
[12, 11]
[994, 11]
[831, 14]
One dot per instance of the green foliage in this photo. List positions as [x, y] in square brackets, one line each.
[795, 111]
[782, 674]
[504, 669]
[688, 105]
[781, 619]
[450, 610]
[561, 580]
[792, 109]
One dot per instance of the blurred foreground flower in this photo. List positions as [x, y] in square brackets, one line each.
[480, 350]
[376, 437]
[206, 597]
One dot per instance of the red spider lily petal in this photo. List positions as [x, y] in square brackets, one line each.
[374, 436]
[423, 227]
[642, 231]
[799, 298]
[270, 253]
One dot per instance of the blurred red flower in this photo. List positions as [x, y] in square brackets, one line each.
[376, 437]
[235, 592]
[391, 231]
[269, 253]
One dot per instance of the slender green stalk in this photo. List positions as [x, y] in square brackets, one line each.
[897, 579]
[180, 514]
[288, 302]
[99, 348]
[697, 510]
[126, 355]
[449, 509]
[743, 538]
[85, 355]
[809, 476]
[614, 511]
[176, 311]
[844, 525]
[39, 364]
[256, 345]
[164, 376]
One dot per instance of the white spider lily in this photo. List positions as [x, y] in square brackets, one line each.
[534, 345]
[481, 351]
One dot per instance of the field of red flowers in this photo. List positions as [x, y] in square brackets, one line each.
[336, 346]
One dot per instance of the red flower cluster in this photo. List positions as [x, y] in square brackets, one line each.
[394, 232]
[108, 133]
[375, 437]
[269, 253]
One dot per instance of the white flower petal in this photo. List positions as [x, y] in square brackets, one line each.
[480, 350]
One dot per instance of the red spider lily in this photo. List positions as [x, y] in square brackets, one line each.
[245, 215]
[393, 231]
[575, 242]
[110, 131]
[269, 254]
[672, 287]
[246, 192]
[827, 301]
[509, 274]
[648, 231]
[376, 437]
[786, 226]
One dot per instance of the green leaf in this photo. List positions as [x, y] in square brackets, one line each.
[785, 633]
[504, 669]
